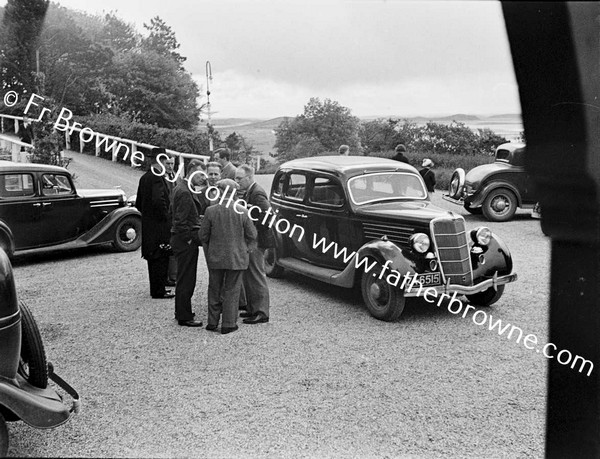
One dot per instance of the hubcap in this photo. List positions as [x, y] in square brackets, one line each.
[130, 234]
[375, 291]
[500, 204]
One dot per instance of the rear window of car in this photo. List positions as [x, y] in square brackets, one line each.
[386, 186]
[56, 184]
[16, 185]
[503, 155]
[326, 191]
[296, 188]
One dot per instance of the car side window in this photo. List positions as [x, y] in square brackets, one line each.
[56, 184]
[16, 185]
[278, 187]
[296, 188]
[327, 192]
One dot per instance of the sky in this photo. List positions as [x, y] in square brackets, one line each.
[376, 57]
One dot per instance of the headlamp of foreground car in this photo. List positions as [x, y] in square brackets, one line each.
[481, 235]
[131, 200]
[420, 242]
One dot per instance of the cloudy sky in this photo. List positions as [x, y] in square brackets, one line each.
[377, 57]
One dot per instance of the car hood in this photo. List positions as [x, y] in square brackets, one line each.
[113, 193]
[477, 174]
[416, 211]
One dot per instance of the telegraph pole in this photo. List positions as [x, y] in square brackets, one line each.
[209, 125]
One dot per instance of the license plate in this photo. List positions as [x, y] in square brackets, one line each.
[429, 279]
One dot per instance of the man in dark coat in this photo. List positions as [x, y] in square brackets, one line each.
[428, 175]
[228, 235]
[185, 239]
[400, 150]
[153, 203]
[255, 279]
[223, 156]
[171, 182]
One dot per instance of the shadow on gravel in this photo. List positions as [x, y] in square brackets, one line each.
[52, 255]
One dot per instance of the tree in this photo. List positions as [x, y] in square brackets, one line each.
[323, 126]
[19, 33]
[162, 40]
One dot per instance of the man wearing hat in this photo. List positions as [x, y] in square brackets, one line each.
[153, 203]
[400, 150]
[428, 175]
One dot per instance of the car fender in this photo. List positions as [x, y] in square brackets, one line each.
[103, 231]
[381, 250]
[7, 234]
[479, 197]
[497, 260]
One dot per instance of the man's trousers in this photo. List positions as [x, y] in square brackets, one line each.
[255, 283]
[223, 296]
[187, 266]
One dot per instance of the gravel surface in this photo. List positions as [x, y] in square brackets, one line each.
[322, 379]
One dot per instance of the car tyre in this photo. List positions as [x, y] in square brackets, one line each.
[6, 245]
[3, 437]
[487, 297]
[473, 210]
[272, 269]
[500, 205]
[128, 234]
[383, 301]
[33, 366]
[457, 181]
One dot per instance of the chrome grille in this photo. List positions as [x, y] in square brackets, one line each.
[398, 234]
[450, 238]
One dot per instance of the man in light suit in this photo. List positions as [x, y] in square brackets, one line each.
[228, 235]
[153, 201]
[255, 279]
[223, 156]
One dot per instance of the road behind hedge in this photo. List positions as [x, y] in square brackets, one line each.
[322, 379]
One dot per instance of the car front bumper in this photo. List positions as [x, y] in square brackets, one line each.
[448, 288]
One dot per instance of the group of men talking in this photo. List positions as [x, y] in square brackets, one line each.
[182, 212]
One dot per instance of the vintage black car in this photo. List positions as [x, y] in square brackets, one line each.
[25, 394]
[496, 189]
[40, 207]
[378, 210]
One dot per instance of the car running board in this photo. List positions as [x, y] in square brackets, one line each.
[328, 275]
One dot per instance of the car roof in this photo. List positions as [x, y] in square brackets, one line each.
[348, 165]
[511, 146]
[10, 166]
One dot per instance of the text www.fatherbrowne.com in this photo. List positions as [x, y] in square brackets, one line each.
[456, 306]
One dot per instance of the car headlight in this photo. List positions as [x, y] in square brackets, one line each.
[131, 200]
[481, 235]
[420, 242]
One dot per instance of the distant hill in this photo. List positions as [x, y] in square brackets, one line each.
[459, 117]
[505, 116]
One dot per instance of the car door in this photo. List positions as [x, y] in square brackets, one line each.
[20, 208]
[62, 210]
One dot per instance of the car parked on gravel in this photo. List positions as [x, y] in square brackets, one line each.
[351, 221]
[24, 372]
[496, 189]
[40, 207]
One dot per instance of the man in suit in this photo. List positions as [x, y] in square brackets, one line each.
[171, 181]
[228, 235]
[185, 240]
[222, 156]
[255, 279]
[154, 204]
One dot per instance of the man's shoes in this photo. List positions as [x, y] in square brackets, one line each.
[189, 323]
[167, 294]
[225, 330]
[247, 314]
[170, 283]
[259, 318]
[211, 327]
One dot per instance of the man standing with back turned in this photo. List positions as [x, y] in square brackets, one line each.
[255, 279]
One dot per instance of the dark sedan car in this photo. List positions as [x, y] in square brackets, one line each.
[40, 207]
[496, 189]
[369, 222]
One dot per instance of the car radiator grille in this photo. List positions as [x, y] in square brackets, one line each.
[398, 234]
[450, 237]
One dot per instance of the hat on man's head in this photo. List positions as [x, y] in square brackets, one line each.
[427, 163]
[400, 148]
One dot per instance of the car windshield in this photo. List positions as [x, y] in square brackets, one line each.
[386, 186]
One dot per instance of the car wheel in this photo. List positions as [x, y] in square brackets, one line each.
[3, 437]
[500, 205]
[487, 297]
[383, 301]
[272, 269]
[128, 234]
[473, 210]
[33, 366]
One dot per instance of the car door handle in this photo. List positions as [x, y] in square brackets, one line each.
[301, 215]
[37, 204]
[47, 204]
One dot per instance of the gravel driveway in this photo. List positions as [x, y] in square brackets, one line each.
[322, 379]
